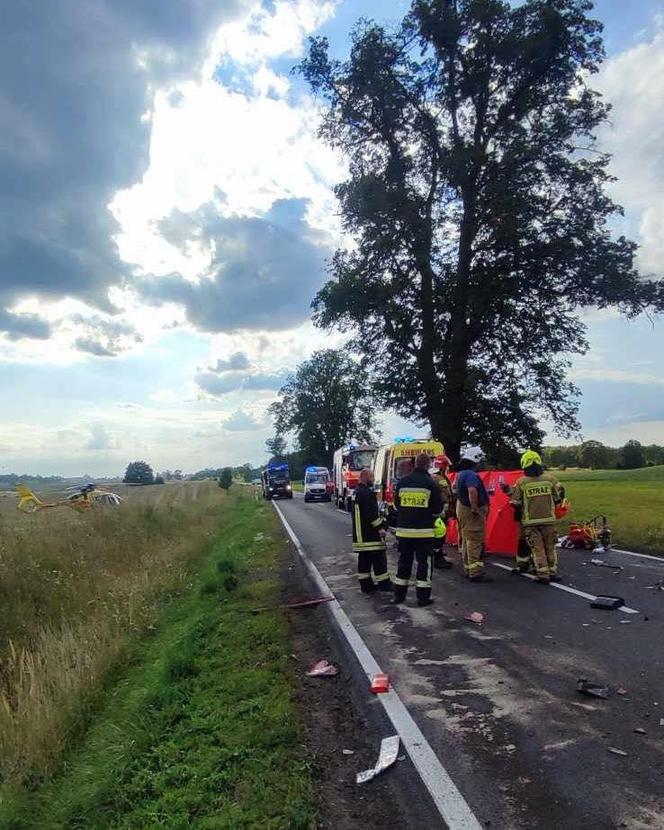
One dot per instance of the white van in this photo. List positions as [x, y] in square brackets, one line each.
[316, 481]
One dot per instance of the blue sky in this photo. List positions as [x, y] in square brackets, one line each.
[167, 208]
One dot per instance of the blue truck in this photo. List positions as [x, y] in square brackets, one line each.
[276, 483]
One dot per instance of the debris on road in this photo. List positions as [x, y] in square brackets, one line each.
[661, 721]
[592, 689]
[389, 749]
[476, 617]
[625, 622]
[607, 602]
[621, 691]
[620, 752]
[600, 563]
[322, 669]
[306, 603]
[640, 730]
[348, 751]
[380, 683]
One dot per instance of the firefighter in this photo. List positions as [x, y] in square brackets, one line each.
[472, 509]
[441, 466]
[369, 537]
[536, 495]
[419, 507]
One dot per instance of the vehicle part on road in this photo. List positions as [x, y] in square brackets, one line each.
[476, 617]
[323, 669]
[617, 751]
[389, 749]
[608, 603]
[589, 689]
[592, 535]
[600, 563]
[380, 683]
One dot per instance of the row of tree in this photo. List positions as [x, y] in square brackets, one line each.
[597, 456]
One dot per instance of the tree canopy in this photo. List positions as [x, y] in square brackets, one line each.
[326, 402]
[139, 472]
[477, 204]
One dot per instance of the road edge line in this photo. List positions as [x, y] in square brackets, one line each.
[452, 806]
[659, 559]
[624, 608]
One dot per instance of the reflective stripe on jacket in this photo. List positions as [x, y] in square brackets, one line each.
[418, 503]
[537, 496]
[366, 520]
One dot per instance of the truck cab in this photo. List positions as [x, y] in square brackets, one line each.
[276, 483]
[316, 481]
[388, 468]
[347, 463]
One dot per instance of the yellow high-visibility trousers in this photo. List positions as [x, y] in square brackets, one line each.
[472, 527]
[542, 543]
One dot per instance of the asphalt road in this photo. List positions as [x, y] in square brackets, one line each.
[498, 702]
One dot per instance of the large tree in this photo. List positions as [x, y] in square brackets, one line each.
[324, 404]
[477, 206]
[138, 472]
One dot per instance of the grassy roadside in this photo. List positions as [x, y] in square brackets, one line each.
[200, 729]
[632, 500]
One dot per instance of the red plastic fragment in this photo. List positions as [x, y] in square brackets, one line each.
[380, 683]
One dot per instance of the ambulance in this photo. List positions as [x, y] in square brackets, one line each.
[388, 468]
[316, 481]
[346, 465]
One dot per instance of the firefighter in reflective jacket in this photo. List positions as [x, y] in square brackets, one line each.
[419, 506]
[441, 466]
[369, 537]
[535, 496]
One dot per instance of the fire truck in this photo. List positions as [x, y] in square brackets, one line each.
[387, 465]
[346, 465]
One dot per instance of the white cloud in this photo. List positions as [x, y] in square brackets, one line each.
[633, 82]
[615, 376]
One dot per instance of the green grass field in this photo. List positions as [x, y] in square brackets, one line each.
[196, 726]
[632, 500]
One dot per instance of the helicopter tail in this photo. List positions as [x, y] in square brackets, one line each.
[28, 502]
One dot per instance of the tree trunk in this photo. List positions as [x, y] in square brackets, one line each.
[450, 423]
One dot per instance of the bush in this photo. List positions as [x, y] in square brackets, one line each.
[226, 478]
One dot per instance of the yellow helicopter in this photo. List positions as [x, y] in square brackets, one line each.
[83, 499]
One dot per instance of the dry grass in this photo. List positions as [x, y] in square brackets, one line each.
[73, 590]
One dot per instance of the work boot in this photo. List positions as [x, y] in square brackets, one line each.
[399, 595]
[481, 578]
[440, 562]
[542, 580]
[368, 586]
[423, 603]
[385, 585]
[555, 578]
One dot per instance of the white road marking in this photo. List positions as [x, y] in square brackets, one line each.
[451, 805]
[659, 559]
[624, 608]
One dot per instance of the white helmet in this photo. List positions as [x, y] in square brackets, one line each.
[473, 454]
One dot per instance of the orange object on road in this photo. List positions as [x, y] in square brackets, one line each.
[380, 683]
